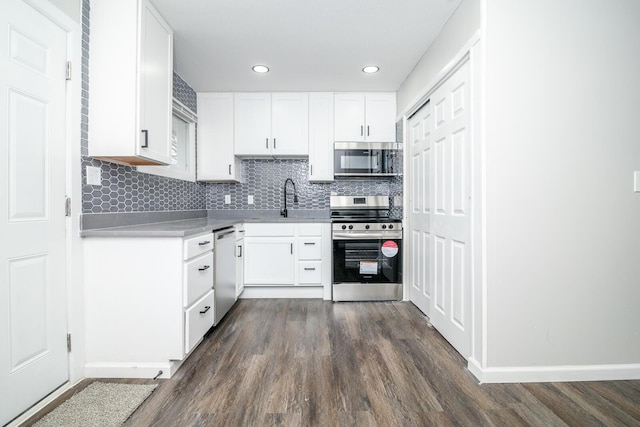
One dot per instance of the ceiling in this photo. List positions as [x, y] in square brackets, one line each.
[309, 45]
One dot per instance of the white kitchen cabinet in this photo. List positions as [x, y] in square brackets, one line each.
[361, 117]
[149, 301]
[271, 125]
[239, 261]
[287, 254]
[216, 158]
[320, 137]
[131, 77]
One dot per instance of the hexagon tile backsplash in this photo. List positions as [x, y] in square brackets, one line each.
[124, 189]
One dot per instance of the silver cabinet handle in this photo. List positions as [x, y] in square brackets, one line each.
[367, 130]
[206, 242]
[266, 140]
[311, 169]
[291, 248]
[146, 139]
[309, 243]
[239, 251]
[361, 130]
[274, 143]
[229, 169]
[206, 308]
[309, 269]
[204, 267]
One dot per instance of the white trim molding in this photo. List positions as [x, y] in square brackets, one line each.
[529, 374]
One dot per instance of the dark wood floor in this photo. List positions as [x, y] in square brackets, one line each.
[316, 363]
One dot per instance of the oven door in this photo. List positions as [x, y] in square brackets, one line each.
[364, 159]
[365, 260]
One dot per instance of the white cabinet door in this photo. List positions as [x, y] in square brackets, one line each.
[131, 78]
[349, 117]
[252, 115]
[290, 124]
[320, 137]
[365, 117]
[269, 261]
[239, 267]
[156, 80]
[216, 158]
[380, 111]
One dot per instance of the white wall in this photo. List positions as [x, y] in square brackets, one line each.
[72, 8]
[563, 222]
[461, 26]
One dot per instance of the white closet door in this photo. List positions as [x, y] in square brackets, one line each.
[450, 249]
[420, 129]
[33, 320]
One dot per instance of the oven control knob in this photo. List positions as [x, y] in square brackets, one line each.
[351, 227]
[384, 226]
[367, 226]
[344, 227]
[390, 226]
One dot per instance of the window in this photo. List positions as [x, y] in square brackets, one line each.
[183, 146]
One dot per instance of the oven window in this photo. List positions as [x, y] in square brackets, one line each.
[363, 261]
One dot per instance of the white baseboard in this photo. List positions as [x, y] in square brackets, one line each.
[529, 374]
[131, 370]
[256, 292]
[41, 404]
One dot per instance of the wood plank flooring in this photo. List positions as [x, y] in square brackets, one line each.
[318, 363]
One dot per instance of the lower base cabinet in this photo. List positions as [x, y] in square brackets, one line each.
[149, 301]
[289, 254]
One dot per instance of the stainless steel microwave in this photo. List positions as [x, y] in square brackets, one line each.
[365, 159]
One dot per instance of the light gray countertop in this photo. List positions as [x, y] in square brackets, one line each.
[191, 226]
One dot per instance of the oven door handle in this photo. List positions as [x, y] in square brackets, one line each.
[397, 235]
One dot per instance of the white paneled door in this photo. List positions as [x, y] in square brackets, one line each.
[440, 220]
[33, 353]
[420, 128]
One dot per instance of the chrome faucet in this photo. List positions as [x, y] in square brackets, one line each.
[283, 211]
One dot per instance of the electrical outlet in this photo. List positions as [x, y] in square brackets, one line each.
[94, 175]
[250, 199]
[227, 199]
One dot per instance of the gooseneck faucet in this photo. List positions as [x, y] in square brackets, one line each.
[283, 211]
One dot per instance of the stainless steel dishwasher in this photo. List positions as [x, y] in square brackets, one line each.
[225, 278]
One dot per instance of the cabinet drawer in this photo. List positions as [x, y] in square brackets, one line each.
[198, 320]
[198, 277]
[309, 272]
[310, 248]
[310, 229]
[197, 245]
[269, 229]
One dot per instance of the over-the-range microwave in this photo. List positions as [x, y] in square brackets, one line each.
[365, 159]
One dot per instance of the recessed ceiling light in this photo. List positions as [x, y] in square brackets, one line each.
[260, 68]
[370, 69]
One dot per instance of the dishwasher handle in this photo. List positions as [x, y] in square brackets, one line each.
[223, 234]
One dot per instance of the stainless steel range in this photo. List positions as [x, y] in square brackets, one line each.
[367, 249]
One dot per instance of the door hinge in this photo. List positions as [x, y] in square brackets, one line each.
[68, 70]
[69, 343]
[67, 206]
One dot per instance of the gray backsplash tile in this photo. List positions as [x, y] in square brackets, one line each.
[124, 189]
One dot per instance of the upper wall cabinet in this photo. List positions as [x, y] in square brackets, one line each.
[365, 117]
[271, 124]
[216, 158]
[320, 137]
[130, 73]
